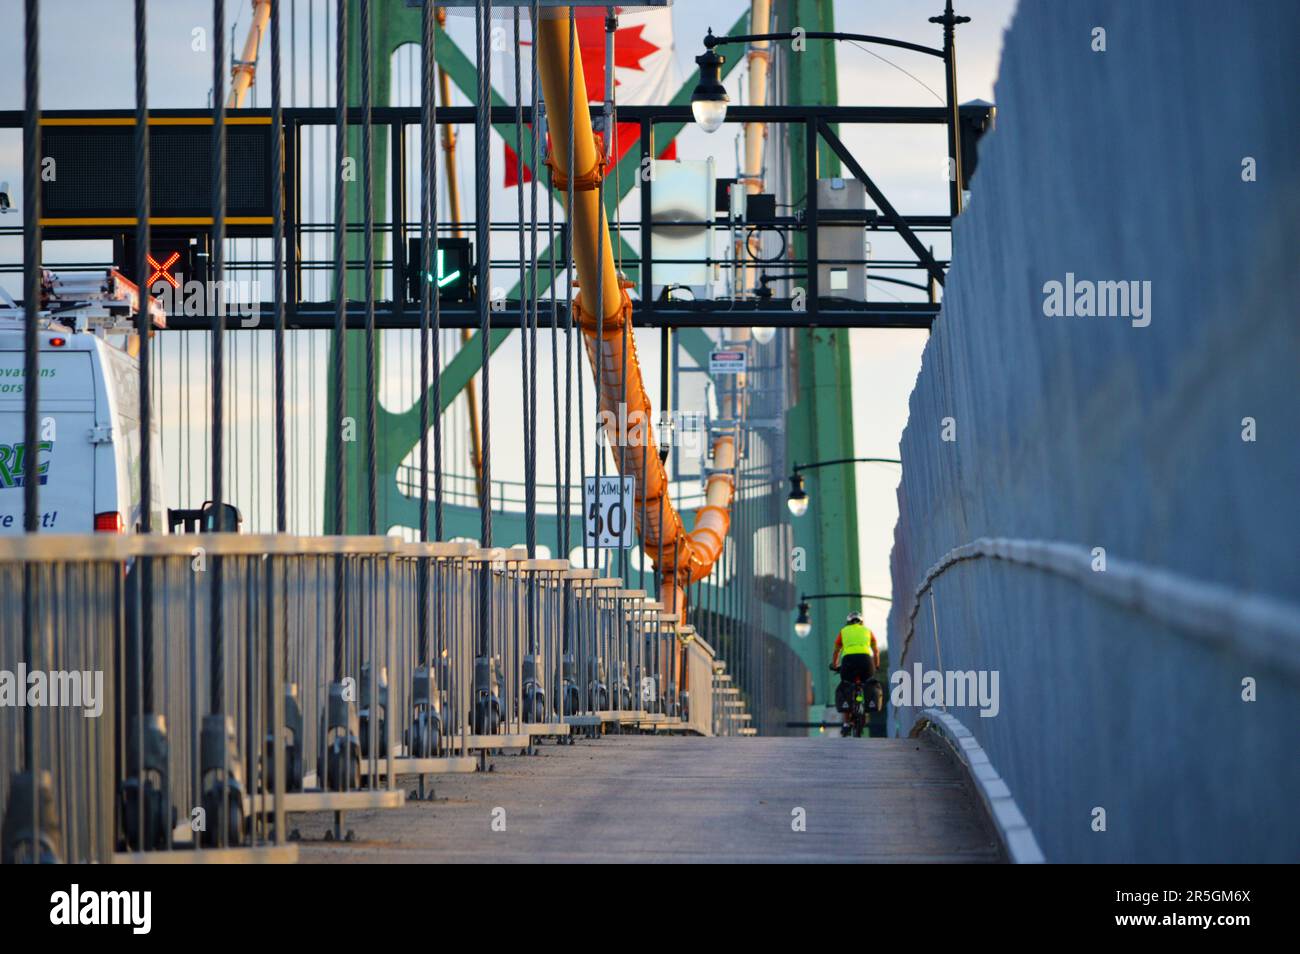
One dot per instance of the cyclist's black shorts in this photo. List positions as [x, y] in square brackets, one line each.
[857, 665]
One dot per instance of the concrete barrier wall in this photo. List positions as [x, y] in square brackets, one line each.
[1114, 433]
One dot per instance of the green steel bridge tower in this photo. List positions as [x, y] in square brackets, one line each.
[818, 426]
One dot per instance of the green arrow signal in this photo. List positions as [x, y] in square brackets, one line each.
[444, 280]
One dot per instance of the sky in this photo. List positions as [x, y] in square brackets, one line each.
[87, 62]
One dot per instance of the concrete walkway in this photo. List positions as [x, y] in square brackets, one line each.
[646, 799]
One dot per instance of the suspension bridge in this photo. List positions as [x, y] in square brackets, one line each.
[419, 452]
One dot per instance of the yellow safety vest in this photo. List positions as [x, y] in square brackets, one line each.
[855, 639]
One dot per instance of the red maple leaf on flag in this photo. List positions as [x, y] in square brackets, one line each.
[631, 48]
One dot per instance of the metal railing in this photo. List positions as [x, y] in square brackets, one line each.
[340, 663]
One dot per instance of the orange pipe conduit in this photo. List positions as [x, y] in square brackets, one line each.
[244, 71]
[680, 557]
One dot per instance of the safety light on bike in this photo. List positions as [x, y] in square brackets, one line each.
[803, 622]
[797, 500]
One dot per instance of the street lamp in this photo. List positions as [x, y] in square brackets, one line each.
[797, 499]
[803, 622]
[763, 333]
[709, 101]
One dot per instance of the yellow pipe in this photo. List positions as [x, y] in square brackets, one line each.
[244, 70]
[590, 229]
[759, 59]
[681, 557]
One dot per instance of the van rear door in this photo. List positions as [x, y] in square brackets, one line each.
[65, 452]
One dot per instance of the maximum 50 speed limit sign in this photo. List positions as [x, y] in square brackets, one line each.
[609, 514]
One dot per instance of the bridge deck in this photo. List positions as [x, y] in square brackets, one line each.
[648, 799]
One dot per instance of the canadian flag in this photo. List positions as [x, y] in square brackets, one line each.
[645, 72]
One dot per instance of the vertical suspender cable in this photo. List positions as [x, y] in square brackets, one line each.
[568, 255]
[483, 236]
[368, 241]
[31, 368]
[32, 262]
[309, 133]
[561, 490]
[139, 264]
[277, 266]
[185, 448]
[432, 185]
[530, 530]
[428, 289]
[529, 490]
[531, 343]
[218, 338]
[340, 309]
[143, 634]
[483, 156]
[611, 126]
[532, 334]
[568, 371]
[277, 305]
[597, 432]
[568, 346]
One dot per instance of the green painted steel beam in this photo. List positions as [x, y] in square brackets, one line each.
[696, 343]
[819, 426]
[393, 24]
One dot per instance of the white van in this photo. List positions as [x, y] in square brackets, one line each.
[89, 434]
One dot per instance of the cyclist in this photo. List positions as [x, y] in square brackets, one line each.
[856, 656]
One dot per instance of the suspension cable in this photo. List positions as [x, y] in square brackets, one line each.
[427, 288]
[534, 17]
[611, 26]
[31, 352]
[568, 328]
[529, 506]
[368, 244]
[340, 312]
[277, 257]
[561, 488]
[483, 225]
[598, 448]
[218, 341]
[143, 631]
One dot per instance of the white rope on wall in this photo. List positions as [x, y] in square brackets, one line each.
[1220, 616]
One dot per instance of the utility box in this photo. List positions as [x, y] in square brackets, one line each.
[842, 217]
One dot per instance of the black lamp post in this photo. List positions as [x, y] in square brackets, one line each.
[797, 499]
[803, 622]
[709, 101]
